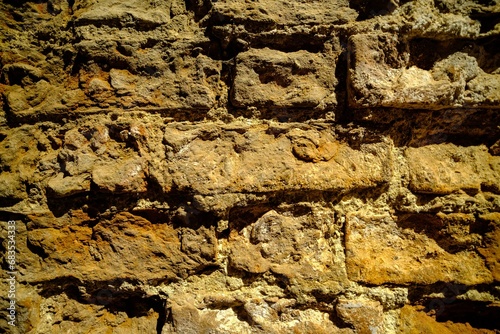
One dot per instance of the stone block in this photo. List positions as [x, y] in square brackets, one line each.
[446, 168]
[253, 160]
[125, 247]
[275, 79]
[293, 247]
[263, 15]
[61, 186]
[378, 251]
[120, 177]
[383, 73]
[365, 315]
[490, 250]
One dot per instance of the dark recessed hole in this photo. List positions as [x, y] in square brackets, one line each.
[485, 50]
[368, 9]
[487, 20]
[242, 217]
[477, 314]
[200, 8]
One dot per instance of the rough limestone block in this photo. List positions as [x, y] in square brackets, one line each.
[61, 186]
[381, 75]
[293, 247]
[378, 251]
[255, 160]
[58, 313]
[365, 315]
[491, 248]
[127, 247]
[414, 320]
[11, 187]
[130, 13]
[265, 14]
[271, 78]
[120, 177]
[445, 168]
[243, 314]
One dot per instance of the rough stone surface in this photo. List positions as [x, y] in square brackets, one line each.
[382, 75]
[446, 168]
[250, 166]
[266, 77]
[380, 250]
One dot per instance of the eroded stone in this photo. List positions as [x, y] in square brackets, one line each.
[127, 246]
[270, 78]
[443, 169]
[378, 251]
[381, 75]
[225, 161]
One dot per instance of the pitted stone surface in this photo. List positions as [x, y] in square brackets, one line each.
[250, 167]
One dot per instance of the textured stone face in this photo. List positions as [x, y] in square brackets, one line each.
[383, 74]
[378, 251]
[443, 169]
[250, 166]
[256, 159]
[276, 79]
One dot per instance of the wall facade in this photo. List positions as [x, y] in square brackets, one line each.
[250, 166]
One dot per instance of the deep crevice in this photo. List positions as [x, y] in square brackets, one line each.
[488, 20]
[200, 8]
[463, 127]
[37, 250]
[485, 50]
[477, 314]
[368, 9]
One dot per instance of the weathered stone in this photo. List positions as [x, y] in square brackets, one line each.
[61, 186]
[19, 155]
[365, 316]
[309, 146]
[254, 316]
[123, 176]
[238, 166]
[413, 321]
[279, 13]
[442, 19]
[74, 140]
[117, 66]
[274, 79]
[59, 313]
[258, 161]
[125, 13]
[381, 75]
[378, 251]
[443, 169]
[491, 251]
[11, 187]
[121, 248]
[294, 247]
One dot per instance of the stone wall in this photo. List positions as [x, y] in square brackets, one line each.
[251, 166]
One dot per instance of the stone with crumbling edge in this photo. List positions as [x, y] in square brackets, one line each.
[275, 79]
[491, 247]
[122, 176]
[61, 186]
[414, 320]
[447, 168]
[223, 160]
[381, 75]
[365, 315]
[125, 246]
[378, 251]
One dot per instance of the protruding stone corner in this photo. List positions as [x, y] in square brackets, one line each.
[389, 71]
